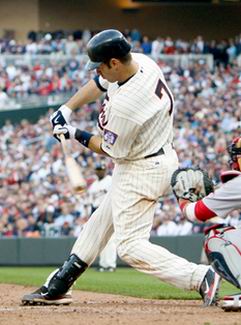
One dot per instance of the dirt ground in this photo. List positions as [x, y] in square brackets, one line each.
[102, 309]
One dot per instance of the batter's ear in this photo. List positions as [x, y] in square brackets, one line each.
[114, 63]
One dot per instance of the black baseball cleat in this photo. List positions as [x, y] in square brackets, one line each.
[40, 297]
[209, 288]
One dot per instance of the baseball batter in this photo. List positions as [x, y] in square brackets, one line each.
[136, 130]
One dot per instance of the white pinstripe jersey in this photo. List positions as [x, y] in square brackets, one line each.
[137, 116]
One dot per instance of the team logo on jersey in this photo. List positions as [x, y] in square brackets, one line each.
[102, 119]
[110, 137]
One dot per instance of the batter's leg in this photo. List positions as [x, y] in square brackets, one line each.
[134, 247]
[135, 191]
[96, 233]
[93, 238]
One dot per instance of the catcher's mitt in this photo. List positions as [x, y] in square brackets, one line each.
[191, 184]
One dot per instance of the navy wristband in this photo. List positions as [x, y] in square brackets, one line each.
[83, 137]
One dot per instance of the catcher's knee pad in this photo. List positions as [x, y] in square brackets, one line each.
[223, 249]
[66, 276]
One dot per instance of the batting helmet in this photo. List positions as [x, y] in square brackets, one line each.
[106, 45]
[234, 152]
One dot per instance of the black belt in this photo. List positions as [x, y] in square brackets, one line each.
[158, 153]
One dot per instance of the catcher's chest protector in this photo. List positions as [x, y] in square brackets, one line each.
[223, 249]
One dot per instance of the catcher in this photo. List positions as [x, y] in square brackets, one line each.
[199, 201]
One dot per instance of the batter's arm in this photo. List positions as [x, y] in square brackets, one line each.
[95, 145]
[87, 139]
[86, 94]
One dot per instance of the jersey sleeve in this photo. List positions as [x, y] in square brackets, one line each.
[198, 210]
[226, 198]
[101, 83]
[118, 137]
[219, 203]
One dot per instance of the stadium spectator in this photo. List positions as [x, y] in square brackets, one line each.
[184, 227]
[167, 227]
[46, 76]
[146, 45]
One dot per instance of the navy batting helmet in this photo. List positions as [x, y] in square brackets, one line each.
[106, 45]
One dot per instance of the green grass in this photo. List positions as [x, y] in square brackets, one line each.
[125, 281]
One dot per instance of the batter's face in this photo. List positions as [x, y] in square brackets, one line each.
[109, 72]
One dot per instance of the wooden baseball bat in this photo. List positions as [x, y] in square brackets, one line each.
[73, 169]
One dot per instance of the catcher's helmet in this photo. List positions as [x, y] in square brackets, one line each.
[106, 45]
[234, 152]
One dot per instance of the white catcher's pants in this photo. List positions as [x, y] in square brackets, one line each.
[128, 209]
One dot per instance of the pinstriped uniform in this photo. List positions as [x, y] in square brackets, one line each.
[137, 121]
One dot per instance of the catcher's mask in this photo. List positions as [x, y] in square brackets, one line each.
[234, 153]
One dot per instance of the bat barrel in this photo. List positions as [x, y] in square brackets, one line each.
[73, 169]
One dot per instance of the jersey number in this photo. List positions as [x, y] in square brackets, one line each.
[161, 88]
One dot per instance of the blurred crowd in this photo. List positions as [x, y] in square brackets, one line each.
[23, 78]
[35, 196]
[75, 43]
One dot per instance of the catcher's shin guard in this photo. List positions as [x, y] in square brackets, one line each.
[66, 276]
[223, 249]
[218, 262]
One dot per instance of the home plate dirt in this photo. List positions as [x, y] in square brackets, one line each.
[93, 308]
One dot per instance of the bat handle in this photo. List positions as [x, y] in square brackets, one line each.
[64, 144]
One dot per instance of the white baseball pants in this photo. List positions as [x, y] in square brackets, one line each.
[128, 209]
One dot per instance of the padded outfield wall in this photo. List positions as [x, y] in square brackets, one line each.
[54, 251]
